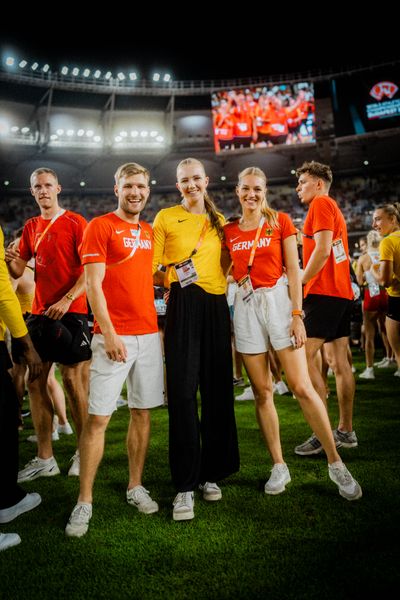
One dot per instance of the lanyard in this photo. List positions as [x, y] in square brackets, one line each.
[253, 250]
[53, 220]
[199, 243]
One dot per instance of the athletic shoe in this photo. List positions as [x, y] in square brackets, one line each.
[330, 372]
[27, 503]
[348, 486]
[76, 465]
[121, 402]
[183, 506]
[384, 363]
[7, 540]
[65, 429]
[246, 395]
[39, 467]
[211, 491]
[280, 476]
[367, 374]
[281, 388]
[25, 414]
[353, 369]
[397, 373]
[78, 523]
[140, 497]
[309, 447]
[238, 381]
[345, 439]
[33, 438]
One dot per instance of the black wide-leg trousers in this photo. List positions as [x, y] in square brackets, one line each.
[198, 355]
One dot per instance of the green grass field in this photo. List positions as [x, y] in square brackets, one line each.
[305, 543]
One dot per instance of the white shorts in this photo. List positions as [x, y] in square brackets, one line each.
[143, 372]
[265, 320]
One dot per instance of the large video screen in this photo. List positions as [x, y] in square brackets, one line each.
[262, 117]
[366, 102]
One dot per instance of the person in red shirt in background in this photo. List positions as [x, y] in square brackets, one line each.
[223, 126]
[117, 254]
[244, 128]
[58, 324]
[262, 246]
[328, 296]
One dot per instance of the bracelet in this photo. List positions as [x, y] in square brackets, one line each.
[70, 296]
[298, 313]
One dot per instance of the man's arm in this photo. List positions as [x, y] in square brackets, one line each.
[15, 264]
[58, 309]
[320, 254]
[113, 344]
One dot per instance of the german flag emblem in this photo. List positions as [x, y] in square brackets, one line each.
[268, 232]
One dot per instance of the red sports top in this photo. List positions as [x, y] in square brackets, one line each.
[334, 279]
[57, 261]
[268, 260]
[128, 286]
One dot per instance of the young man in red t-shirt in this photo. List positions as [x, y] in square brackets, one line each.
[58, 324]
[328, 296]
[117, 254]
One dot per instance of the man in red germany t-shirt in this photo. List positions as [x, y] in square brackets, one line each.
[58, 324]
[117, 254]
[328, 296]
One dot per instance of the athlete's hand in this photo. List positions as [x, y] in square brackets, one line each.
[298, 331]
[115, 347]
[58, 309]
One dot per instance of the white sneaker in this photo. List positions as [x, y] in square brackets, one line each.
[28, 502]
[39, 467]
[121, 402]
[78, 523]
[140, 497]
[383, 364]
[368, 373]
[281, 388]
[211, 492]
[280, 476]
[76, 465]
[247, 394]
[396, 373]
[183, 506]
[330, 372]
[7, 540]
[348, 486]
[65, 429]
[33, 438]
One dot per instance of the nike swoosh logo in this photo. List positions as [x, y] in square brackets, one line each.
[235, 238]
[118, 231]
[181, 220]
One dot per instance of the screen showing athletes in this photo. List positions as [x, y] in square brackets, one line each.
[263, 117]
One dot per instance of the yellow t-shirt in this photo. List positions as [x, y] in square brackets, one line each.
[389, 249]
[176, 235]
[10, 310]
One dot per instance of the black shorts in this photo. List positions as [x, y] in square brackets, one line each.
[327, 317]
[66, 341]
[393, 309]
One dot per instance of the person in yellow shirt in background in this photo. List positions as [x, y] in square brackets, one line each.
[13, 499]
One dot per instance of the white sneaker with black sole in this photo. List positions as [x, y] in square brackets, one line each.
[183, 506]
[39, 467]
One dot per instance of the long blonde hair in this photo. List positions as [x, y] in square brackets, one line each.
[269, 213]
[208, 203]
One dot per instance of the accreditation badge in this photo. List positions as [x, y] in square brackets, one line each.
[339, 251]
[186, 272]
[245, 288]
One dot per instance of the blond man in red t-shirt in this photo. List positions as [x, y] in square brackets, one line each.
[117, 254]
[58, 324]
[328, 296]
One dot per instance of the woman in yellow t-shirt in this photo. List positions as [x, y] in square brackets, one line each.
[187, 240]
[386, 221]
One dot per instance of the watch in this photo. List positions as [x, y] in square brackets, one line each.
[298, 313]
[70, 296]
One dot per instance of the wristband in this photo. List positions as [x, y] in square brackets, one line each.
[70, 296]
[298, 313]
